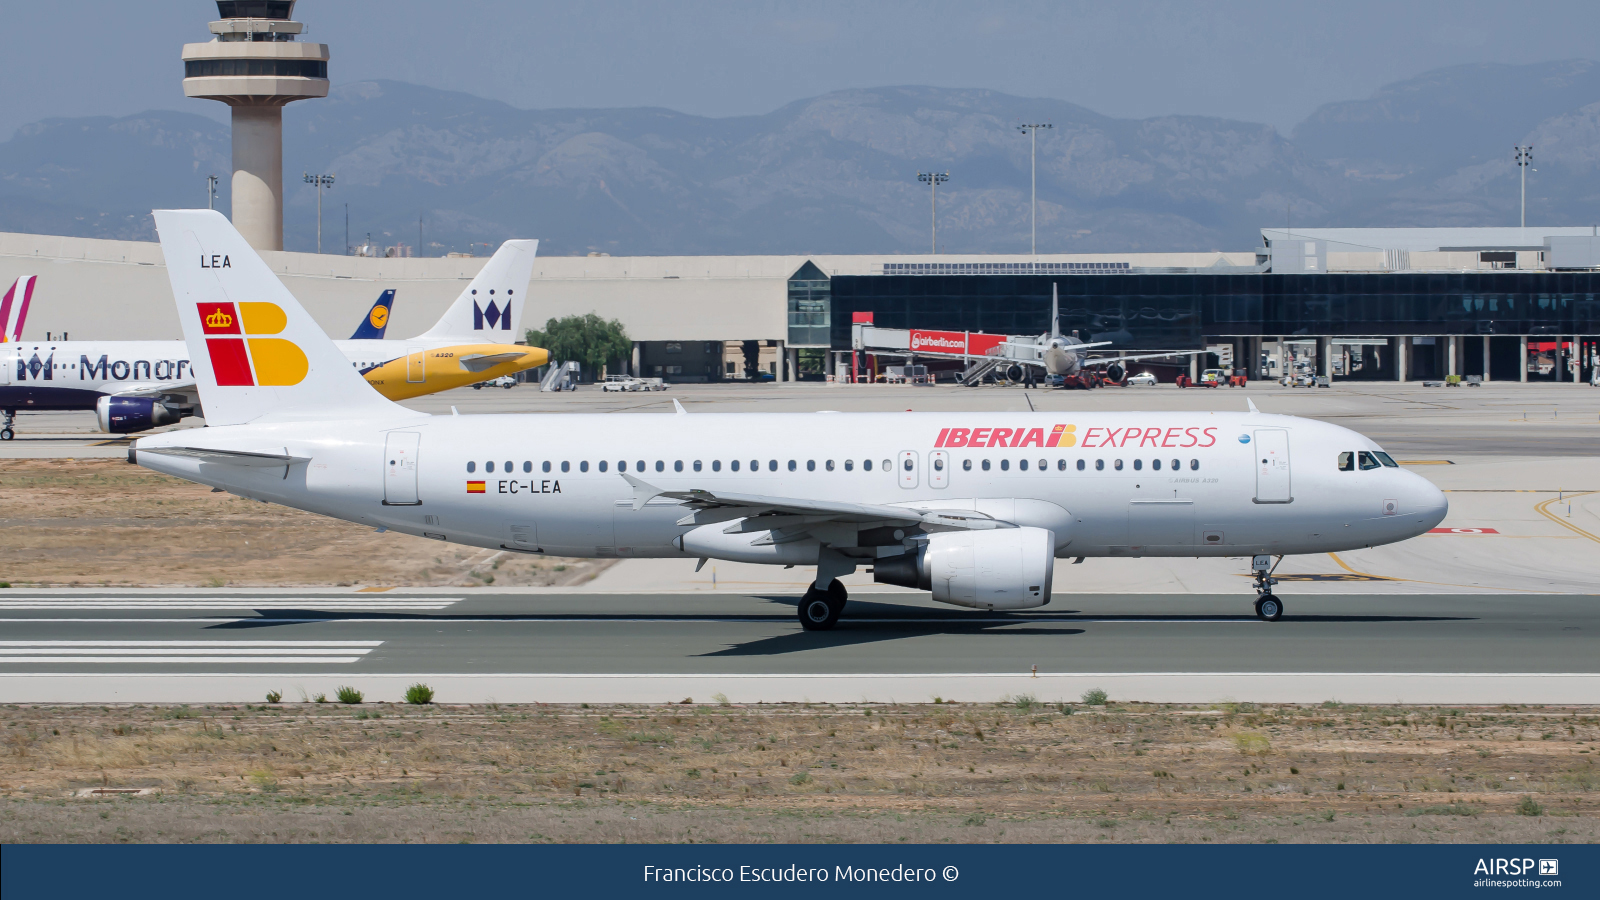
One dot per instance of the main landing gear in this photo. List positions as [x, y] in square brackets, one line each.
[819, 610]
[1268, 607]
[6, 433]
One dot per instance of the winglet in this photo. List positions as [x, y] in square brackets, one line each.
[643, 491]
[1252, 405]
[679, 407]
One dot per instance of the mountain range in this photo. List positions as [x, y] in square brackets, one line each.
[838, 173]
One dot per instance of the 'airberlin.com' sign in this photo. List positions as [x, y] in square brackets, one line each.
[957, 342]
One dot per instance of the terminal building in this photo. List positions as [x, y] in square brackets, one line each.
[1505, 304]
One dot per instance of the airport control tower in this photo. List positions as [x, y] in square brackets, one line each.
[257, 65]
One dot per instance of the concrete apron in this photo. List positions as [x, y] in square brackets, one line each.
[1418, 688]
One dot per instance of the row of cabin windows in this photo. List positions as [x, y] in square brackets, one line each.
[1043, 465]
[1367, 460]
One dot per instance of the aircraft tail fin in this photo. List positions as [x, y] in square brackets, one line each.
[256, 352]
[489, 311]
[372, 328]
[19, 295]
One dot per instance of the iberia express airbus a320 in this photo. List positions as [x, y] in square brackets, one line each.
[973, 507]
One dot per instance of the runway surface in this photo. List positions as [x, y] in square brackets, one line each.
[190, 647]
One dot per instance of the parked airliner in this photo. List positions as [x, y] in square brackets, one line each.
[136, 385]
[974, 507]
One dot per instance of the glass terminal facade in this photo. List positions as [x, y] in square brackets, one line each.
[1181, 311]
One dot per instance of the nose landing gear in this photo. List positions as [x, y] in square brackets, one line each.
[6, 433]
[1268, 606]
[819, 610]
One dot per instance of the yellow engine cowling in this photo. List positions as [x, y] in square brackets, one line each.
[443, 368]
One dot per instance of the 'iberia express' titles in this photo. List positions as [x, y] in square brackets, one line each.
[1067, 436]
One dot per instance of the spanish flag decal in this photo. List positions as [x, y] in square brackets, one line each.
[474, 487]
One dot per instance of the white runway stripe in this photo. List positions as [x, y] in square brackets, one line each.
[231, 660]
[241, 651]
[339, 604]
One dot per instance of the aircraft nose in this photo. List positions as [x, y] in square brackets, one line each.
[1430, 502]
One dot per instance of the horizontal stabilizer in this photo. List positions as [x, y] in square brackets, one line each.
[253, 459]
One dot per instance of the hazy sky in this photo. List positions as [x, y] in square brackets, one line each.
[1272, 61]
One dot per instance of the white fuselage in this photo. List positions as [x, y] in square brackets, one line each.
[1127, 484]
[42, 375]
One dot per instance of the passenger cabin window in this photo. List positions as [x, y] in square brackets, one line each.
[1099, 465]
[1176, 465]
[1081, 464]
[638, 466]
[811, 465]
[1045, 464]
[488, 466]
[1116, 464]
[966, 465]
[508, 468]
[602, 465]
[1005, 465]
[527, 466]
[866, 465]
[545, 466]
[755, 465]
[697, 465]
[583, 466]
[1347, 462]
[734, 465]
[1194, 465]
[829, 465]
[660, 466]
[887, 465]
[772, 465]
[986, 465]
[471, 467]
[1138, 464]
[1368, 461]
[566, 466]
[716, 465]
[1022, 464]
[791, 465]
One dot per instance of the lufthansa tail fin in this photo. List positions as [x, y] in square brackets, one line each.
[377, 320]
[489, 311]
[19, 296]
[256, 352]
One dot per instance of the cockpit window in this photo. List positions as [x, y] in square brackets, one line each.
[1368, 461]
[1386, 459]
[1347, 462]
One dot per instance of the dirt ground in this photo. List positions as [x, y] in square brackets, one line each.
[103, 522]
[1013, 772]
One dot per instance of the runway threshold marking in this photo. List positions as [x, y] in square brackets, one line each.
[190, 652]
[1544, 510]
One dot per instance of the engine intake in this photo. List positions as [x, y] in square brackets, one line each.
[124, 415]
[1008, 568]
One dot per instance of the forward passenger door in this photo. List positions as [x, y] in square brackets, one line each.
[1272, 466]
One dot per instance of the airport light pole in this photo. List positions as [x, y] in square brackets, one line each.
[211, 192]
[1032, 131]
[933, 180]
[321, 181]
[1524, 159]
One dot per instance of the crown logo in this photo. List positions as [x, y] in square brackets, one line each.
[218, 319]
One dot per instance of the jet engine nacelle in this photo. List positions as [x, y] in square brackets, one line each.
[125, 415]
[1005, 568]
[1115, 373]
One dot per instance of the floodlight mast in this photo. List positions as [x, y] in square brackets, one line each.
[321, 181]
[933, 180]
[1524, 159]
[1032, 131]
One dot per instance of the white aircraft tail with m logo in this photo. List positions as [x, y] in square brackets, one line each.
[489, 311]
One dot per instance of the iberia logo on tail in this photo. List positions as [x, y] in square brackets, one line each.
[249, 359]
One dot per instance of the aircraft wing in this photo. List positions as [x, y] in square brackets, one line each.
[767, 513]
[1111, 359]
[153, 389]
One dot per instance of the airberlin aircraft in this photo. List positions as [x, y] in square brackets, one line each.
[972, 507]
[136, 385]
